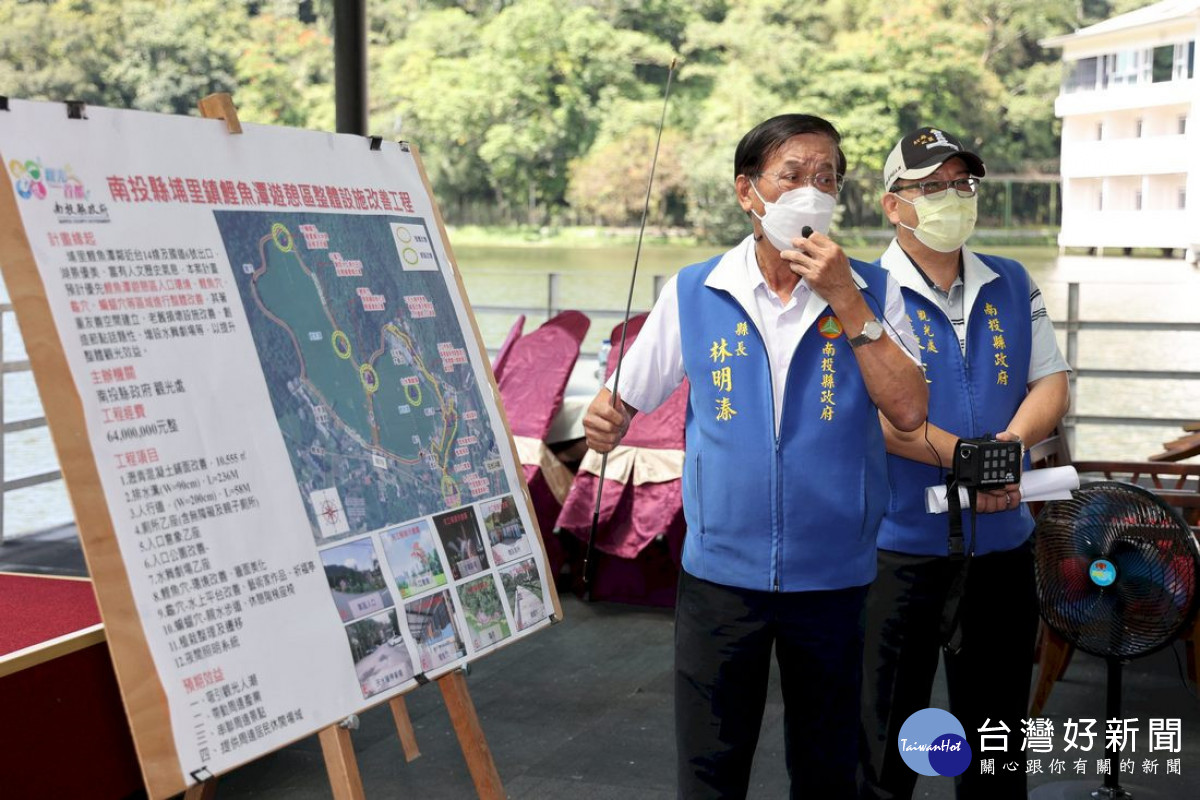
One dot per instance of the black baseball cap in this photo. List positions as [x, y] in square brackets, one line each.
[921, 152]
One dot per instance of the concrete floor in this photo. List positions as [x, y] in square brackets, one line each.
[583, 710]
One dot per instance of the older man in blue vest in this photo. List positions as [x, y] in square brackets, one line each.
[994, 368]
[791, 352]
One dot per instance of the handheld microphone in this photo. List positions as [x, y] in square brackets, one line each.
[806, 231]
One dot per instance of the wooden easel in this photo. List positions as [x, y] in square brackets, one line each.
[336, 745]
[342, 765]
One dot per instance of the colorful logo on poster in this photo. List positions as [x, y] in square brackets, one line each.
[31, 179]
[933, 742]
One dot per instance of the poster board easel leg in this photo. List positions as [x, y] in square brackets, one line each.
[404, 727]
[202, 791]
[341, 764]
[470, 736]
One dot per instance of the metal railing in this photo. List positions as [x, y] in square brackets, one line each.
[554, 303]
[1073, 325]
[16, 426]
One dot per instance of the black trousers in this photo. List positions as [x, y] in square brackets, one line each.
[723, 642]
[988, 679]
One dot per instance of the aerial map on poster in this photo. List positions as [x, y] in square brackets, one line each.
[370, 383]
[266, 389]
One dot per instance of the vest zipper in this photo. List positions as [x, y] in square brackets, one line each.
[776, 529]
[970, 387]
[777, 533]
[779, 509]
[777, 520]
[777, 517]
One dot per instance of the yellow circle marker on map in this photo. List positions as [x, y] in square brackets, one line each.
[412, 393]
[369, 378]
[341, 344]
[285, 244]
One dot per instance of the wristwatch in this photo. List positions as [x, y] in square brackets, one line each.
[871, 332]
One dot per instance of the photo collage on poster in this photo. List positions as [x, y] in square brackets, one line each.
[420, 596]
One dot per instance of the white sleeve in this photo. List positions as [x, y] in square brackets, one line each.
[653, 365]
[897, 321]
[1044, 356]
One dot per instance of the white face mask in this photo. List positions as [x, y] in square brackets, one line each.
[945, 223]
[786, 218]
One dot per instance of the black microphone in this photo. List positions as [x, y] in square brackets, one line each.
[806, 231]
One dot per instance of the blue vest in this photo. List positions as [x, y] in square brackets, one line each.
[797, 511]
[969, 398]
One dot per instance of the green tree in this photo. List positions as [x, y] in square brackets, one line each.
[523, 106]
[61, 50]
[177, 52]
[608, 185]
[549, 71]
[666, 20]
[285, 74]
[425, 90]
[522, 101]
[752, 63]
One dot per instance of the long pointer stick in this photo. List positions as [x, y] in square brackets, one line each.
[589, 556]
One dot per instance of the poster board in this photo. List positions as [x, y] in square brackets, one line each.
[293, 481]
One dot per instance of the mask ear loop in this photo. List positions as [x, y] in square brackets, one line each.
[758, 238]
[911, 203]
[762, 221]
[761, 199]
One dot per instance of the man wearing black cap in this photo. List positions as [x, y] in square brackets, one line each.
[993, 368]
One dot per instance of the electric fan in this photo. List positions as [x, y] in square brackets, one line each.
[1116, 577]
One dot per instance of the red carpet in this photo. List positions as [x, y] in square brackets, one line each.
[35, 608]
[68, 705]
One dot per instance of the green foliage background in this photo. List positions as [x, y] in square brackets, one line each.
[544, 112]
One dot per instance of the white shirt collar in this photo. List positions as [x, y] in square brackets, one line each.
[737, 273]
[975, 274]
[732, 273]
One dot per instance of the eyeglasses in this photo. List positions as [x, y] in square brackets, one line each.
[965, 187]
[827, 182]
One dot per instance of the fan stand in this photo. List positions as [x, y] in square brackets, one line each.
[1111, 789]
[1104, 514]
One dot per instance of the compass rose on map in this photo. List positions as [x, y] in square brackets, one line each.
[331, 517]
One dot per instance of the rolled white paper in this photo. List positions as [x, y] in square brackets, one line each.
[1052, 483]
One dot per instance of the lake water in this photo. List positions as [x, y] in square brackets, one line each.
[1112, 288]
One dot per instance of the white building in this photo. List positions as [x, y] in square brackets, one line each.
[1130, 138]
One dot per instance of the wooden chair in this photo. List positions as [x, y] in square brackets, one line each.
[1178, 485]
[1185, 446]
[532, 373]
[1052, 653]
